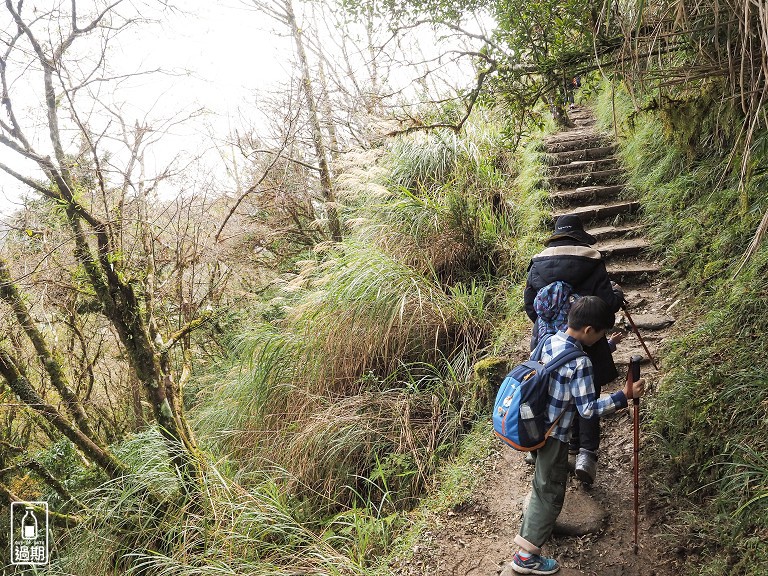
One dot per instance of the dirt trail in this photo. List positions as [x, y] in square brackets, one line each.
[476, 538]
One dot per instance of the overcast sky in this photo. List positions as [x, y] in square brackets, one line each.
[218, 55]
[215, 56]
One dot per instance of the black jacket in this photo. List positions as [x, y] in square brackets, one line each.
[584, 269]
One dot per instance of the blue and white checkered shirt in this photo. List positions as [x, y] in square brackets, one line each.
[571, 386]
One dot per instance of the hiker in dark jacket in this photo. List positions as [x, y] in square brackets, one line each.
[568, 257]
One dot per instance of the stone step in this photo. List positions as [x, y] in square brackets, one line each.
[601, 211]
[579, 113]
[623, 231]
[579, 123]
[623, 248]
[652, 322]
[581, 166]
[594, 153]
[572, 135]
[632, 272]
[585, 142]
[624, 353]
[639, 298]
[585, 194]
[588, 178]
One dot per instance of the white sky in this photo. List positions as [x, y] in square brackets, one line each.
[217, 53]
[221, 55]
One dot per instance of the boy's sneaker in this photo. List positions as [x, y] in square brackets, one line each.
[586, 466]
[534, 565]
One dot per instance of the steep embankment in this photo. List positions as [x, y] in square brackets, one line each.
[595, 531]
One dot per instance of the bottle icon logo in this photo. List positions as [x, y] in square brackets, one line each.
[29, 525]
[29, 533]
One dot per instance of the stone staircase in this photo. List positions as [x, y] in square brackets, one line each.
[585, 178]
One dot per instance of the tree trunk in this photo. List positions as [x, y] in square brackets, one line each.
[321, 150]
[50, 360]
[96, 250]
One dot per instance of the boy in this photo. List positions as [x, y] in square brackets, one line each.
[568, 257]
[571, 390]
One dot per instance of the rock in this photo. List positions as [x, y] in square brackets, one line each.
[653, 321]
[491, 369]
[580, 515]
[488, 374]
[635, 299]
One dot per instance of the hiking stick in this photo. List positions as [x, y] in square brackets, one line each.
[633, 375]
[637, 332]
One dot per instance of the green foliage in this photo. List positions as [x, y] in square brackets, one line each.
[456, 485]
[381, 437]
[364, 533]
[710, 418]
[446, 205]
[691, 197]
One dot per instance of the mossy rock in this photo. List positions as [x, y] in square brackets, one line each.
[488, 374]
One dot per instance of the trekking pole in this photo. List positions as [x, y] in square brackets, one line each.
[633, 375]
[637, 332]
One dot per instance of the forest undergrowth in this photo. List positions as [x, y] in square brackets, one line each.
[274, 353]
[334, 403]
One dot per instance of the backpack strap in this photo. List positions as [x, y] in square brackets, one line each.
[536, 354]
[564, 357]
[570, 353]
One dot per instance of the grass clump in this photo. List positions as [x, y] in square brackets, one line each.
[710, 421]
[257, 531]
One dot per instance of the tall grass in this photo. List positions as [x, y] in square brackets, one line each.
[443, 202]
[361, 385]
[381, 437]
[256, 531]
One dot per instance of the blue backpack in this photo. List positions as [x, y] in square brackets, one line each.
[520, 410]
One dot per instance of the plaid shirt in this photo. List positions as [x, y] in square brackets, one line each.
[571, 388]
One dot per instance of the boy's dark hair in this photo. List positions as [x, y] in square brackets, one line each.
[591, 311]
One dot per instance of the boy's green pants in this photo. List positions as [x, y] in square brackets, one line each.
[549, 480]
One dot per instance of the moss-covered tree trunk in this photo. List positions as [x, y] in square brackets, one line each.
[146, 355]
[18, 382]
